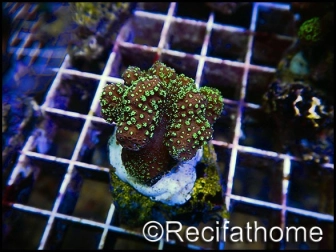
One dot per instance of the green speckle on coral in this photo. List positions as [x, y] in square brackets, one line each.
[310, 31]
[159, 98]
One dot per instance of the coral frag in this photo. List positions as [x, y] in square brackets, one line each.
[98, 24]
[161, 118]
[305, 119]
[310, 31]
[300, 99]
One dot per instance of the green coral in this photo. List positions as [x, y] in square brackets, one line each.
[206, 201]
[90, 13]
[310, 31]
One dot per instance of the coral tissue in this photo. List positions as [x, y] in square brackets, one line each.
[162, 120]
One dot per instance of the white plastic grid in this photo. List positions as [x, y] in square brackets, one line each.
[162, 51]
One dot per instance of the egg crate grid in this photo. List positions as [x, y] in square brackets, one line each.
[36, 55]
[26, 41]
[64, 191]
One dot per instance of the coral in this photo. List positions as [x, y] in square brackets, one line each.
[304, 118]
[89, 14]
[316, 41]
[300, 98]
[206, 201]
[161, 118]
[310, 31]
[98, 25]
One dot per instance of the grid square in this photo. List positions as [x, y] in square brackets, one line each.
[226, 78]
[17, 232]
[143, 30]
[258, 130]
[268, 49]
[132, 55]
[272, 20]
[186, 36]
[48, 177]
[60, 130]
[239, 17]
[74, 94]
[310, 188]
[228, 44]
[258, 177]
[257, 85]
[94, 197]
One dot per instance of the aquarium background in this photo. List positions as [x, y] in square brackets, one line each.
[56, 188]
